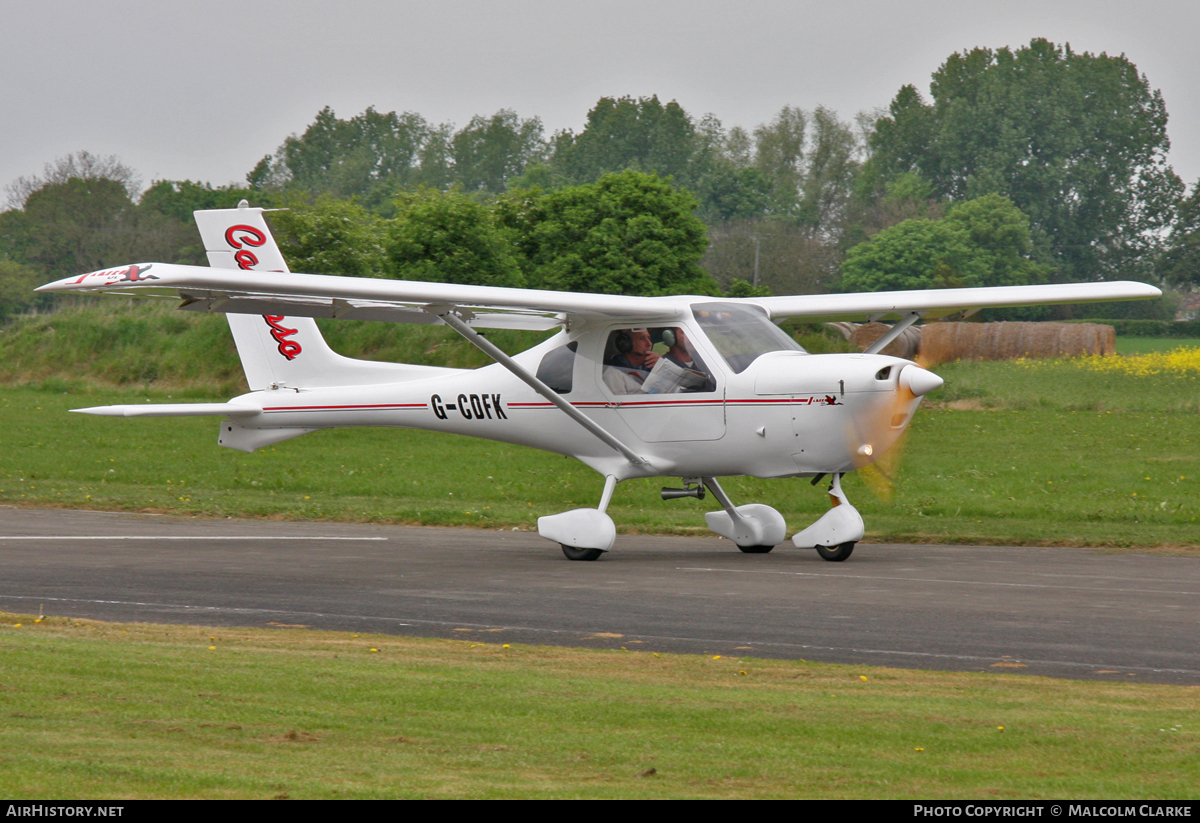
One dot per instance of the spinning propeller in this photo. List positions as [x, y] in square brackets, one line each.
[876, 441]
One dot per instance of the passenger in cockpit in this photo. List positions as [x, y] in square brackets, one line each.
[681, 353]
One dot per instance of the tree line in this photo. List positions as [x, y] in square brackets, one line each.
[1035, 164]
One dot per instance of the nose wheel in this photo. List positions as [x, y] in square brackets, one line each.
[573, 553]
[835, 553]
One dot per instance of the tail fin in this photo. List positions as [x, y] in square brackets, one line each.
[275, 350]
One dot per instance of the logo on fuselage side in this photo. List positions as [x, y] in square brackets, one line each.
[470, 406]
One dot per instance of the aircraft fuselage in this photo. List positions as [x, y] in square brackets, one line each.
[788, 414]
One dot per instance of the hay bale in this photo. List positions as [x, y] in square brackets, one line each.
[843, 327]
[906, 345]
[945, 342]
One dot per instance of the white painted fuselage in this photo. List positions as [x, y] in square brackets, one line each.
[787, 414]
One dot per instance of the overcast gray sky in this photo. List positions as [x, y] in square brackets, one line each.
[202, 90]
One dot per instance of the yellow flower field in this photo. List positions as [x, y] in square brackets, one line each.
[1183, 361]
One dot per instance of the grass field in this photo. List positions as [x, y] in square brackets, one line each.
[1141, 345]
[1151, 382]
[142, 711]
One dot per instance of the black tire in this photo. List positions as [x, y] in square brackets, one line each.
[755, 549]
[836, 554]
[573, 553]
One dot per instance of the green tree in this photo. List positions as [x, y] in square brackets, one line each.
[874, 208]
[538, 175]
[376, 156]
[174, 201]
[489, 151]
[983, 242]
[810, 161]
[744, 288]
[779, 154]
[450, 238]
[830, 169]
[81, 165]
[722, 176]
[17, 284]
[625, 133]
[81, 215]
[914, 254]
[997, 228]
[180, 198]
[82, 225]
[436, 159]
[1180, 265]
[1077, 141]
[726, 192]
[779, 204]
[628, 233]
[358, 156]
[332, 237]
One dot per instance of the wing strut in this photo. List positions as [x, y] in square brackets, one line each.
[878, 345]
[446, 313]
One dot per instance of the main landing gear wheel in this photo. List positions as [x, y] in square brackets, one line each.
[755, 549]
[836, 553]
[573, 553]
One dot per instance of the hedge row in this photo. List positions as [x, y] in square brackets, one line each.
[1152, 328]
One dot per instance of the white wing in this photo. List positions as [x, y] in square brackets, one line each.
[358, 298]
[200, 288]
[934, 303]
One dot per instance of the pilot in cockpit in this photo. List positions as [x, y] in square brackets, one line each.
[632, 367]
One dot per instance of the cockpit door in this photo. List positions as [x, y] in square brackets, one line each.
[687, 408]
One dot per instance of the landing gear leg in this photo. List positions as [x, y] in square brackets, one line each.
[754, 527]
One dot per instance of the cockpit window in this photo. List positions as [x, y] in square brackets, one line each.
[557, 368]
[741, 333]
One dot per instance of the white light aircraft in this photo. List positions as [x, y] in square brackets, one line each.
[732, 395]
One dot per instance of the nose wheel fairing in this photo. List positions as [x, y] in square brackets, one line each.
[579, 529]
[839, 526]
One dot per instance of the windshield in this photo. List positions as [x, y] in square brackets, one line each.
[741, 333]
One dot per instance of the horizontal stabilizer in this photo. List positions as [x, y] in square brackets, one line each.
[172, 410]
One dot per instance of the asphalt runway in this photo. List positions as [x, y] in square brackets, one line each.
[1072, 613]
